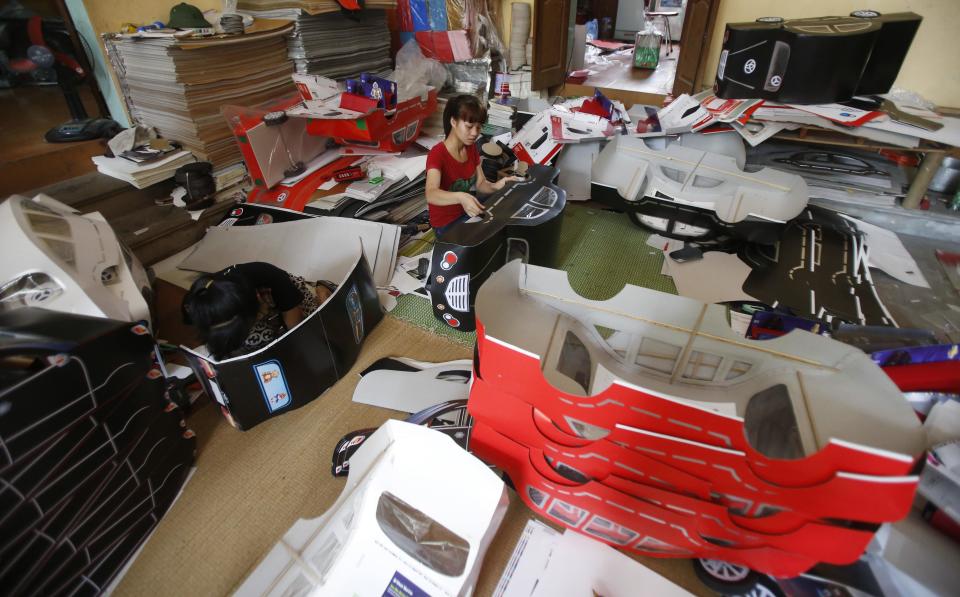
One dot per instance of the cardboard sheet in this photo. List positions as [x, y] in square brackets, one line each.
[308, 248]
[887, 253]
[581, 566]
[716, 278]
[411, 386]
[528, 561]
[820, 269]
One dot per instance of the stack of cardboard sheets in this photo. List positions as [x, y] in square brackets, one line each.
[281, 8]
[178, 85]
[332, 44]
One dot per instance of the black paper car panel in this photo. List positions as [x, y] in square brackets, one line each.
[521, 220]
[814, 60]
[296, 368]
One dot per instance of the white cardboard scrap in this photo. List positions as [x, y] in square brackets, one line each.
[528, 561]
[715, 278]
[411, 392]
[581, 566]
[887, 253]
[307, 248]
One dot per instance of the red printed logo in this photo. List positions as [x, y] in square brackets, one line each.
[451, 320]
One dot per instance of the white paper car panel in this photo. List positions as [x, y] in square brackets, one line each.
[700, 179]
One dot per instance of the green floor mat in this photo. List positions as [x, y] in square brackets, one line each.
[601, 251]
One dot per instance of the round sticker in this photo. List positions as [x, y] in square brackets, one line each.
[449, 260]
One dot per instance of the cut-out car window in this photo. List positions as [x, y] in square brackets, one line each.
[421, 537]
[738, 369]
[705, 182]
[702, 366]
[657, 355]
[673, 174]
[61, 248]
[771, 425]
[586, 430]
[574, 361]
[48, 225]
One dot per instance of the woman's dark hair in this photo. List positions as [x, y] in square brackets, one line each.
[463, 107]
[223, 309]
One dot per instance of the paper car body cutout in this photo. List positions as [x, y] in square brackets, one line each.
[814, 60]
[685, 192]
[58, 259]
[300, 365]
[93, 451]
[646, 413]
[523, 219]
[416, 517]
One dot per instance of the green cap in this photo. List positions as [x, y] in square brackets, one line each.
[186, 16]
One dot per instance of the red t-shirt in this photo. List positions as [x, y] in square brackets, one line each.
[455, 177]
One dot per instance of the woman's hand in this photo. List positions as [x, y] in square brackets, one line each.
[470, 204]
[500, 183]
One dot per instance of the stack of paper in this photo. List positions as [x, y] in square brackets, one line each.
[337, 46]
[500, 115]
[145, 174]
[312, 7]
[179, 85]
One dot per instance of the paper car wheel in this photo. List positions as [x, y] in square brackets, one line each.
[724, 577]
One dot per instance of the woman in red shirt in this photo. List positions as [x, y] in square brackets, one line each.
[453, 167]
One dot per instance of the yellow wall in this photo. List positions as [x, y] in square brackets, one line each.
[931, 68]
[108, 15]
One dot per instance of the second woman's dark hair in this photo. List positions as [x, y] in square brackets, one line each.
[223, 309]
[463, 107]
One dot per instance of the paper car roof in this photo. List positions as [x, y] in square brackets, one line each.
[683, 349]
[355, 548]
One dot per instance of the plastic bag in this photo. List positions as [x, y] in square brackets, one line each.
[415, 73]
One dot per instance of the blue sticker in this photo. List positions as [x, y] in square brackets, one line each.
[355, 312]
[401, 586]
[273, 384]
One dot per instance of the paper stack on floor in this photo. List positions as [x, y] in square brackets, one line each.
[145, 174]
[178, 86]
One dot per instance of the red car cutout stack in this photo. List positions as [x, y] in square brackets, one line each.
[645, 422]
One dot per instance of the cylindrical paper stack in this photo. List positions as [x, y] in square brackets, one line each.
[519, 33]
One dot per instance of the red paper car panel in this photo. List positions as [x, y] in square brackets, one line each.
[665, 527]
[518, 372]
[694, 469]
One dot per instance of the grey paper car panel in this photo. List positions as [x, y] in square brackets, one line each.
[411, 391]
[699, 179]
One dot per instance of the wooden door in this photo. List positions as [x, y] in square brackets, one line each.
[550, 23]
[698, 23]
